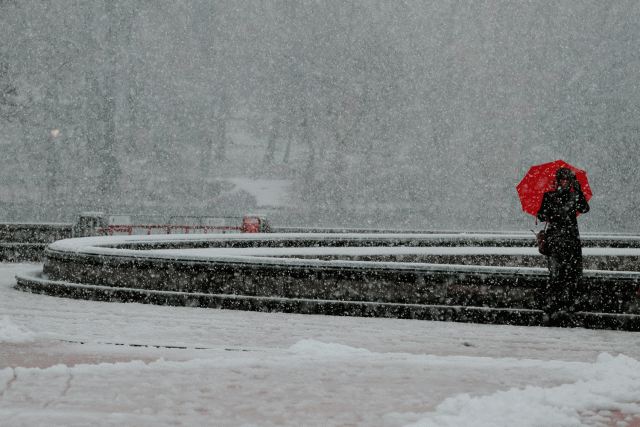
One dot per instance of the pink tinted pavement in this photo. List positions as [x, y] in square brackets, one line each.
[74, 362]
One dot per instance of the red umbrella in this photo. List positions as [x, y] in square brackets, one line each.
[541, 179]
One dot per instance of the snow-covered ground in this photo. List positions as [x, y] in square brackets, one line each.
[70, 362]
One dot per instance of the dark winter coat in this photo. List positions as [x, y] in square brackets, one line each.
[559, 208]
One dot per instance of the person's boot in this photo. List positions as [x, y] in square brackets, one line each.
[555, 319]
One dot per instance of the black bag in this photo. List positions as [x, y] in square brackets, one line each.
[541, 236]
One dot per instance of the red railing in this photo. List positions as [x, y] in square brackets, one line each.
[128, 229]
[249, 225]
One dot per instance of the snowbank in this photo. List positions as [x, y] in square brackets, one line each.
[179, 390]
[10, 333]
[611, 384]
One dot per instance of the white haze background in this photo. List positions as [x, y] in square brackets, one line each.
[405, 114]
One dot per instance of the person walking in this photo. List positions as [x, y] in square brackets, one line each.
[560, 208]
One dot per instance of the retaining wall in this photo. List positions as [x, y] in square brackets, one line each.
[230, 271]
[27, 241]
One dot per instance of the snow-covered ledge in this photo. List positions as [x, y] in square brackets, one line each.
[409, 269]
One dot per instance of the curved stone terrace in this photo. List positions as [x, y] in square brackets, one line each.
[494, 278]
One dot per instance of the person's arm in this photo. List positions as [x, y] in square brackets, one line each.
[581, 203]
[546, 212]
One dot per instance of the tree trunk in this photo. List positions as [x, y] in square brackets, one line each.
[108, 160]
[219, 127]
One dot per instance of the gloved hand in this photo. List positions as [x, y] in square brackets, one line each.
[576, 185]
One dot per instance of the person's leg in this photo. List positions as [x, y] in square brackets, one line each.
[559, 306]
[565, 293]
[554, 285]
[574, 280]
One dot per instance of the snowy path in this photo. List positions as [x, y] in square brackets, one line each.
[246, 368]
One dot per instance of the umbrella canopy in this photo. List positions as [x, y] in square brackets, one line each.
[541, 179]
